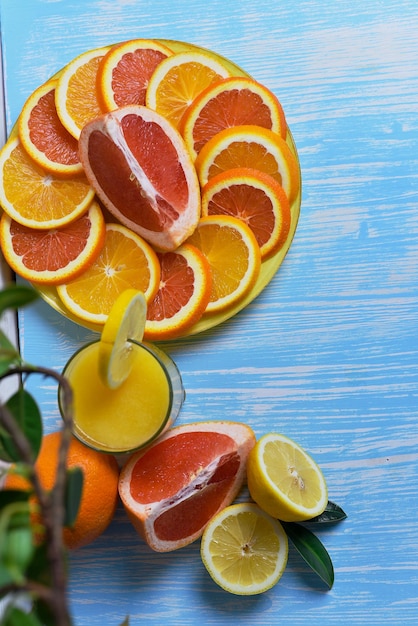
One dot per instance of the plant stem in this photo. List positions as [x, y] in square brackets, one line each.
[52, 503]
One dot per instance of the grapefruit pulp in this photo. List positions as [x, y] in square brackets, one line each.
[141, 170]
[171, 490]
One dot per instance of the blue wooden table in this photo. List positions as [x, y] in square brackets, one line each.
[327, 354]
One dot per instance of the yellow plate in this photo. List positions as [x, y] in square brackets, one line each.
[269, 267]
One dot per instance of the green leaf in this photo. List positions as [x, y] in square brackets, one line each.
[39, 568]
[9, 355]
[332, 514]
[15, 296]
[312, 551]
[125, 622]
[26, 413]
[73, 491]
[18, 552]
[17, 617]
[10, 496]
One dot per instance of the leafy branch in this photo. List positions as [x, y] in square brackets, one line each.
[39, 572]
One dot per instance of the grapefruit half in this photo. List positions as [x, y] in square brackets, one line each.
[140, 168]
[171, 490]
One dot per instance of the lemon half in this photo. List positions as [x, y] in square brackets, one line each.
[284, 480]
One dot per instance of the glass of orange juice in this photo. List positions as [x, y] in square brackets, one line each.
[131, 416]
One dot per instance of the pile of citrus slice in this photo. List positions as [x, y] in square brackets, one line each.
[152, 165]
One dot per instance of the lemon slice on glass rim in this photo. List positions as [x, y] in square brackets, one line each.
[125, 322]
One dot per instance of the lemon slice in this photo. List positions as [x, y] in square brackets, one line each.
[126, 321]
[244, 549]
[284, 480]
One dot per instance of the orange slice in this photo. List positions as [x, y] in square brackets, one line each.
[126, 261]
[141, 170]
[234, 258]
[76, 95]
[44, 137]
[179, 79]
[125, 70]
[53, 256]
[183, 294]
[36, 198]
[200, 469]
[234, 101]
[255, 198]
[250, 146]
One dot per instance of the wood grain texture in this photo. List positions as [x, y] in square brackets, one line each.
[328, 353]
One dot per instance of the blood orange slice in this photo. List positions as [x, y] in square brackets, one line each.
[125, 70]
[53, 256]
[44, 137]
[141, 170]
[183, 294]
[172, 489]
[254, 197]
[230, 102]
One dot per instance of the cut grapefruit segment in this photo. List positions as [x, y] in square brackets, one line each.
[141, 170]
[125, 70]
[44, 137]
[233, 101]
[179, 79]
[54, 256]
[183, 294]
[255, 198]
[250, 146]
[172, 489]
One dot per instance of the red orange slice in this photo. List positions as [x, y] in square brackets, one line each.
[54, 256]
[141, 170]
[183, 294]
[255, 198]
[125, 70]
[44, 137]
[180, 482]
[233, 101]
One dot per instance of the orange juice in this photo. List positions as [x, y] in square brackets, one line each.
[129, 417]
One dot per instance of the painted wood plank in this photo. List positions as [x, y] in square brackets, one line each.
[327, 353]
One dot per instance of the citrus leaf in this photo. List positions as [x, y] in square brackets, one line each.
[73, 491]
[26, 413]
[18, 552]
[333, 513]
[9, 496]
[17, 617]
[9, 356]
[15, 296]
[312, 551]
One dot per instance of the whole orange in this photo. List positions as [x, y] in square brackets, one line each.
[100, 487]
